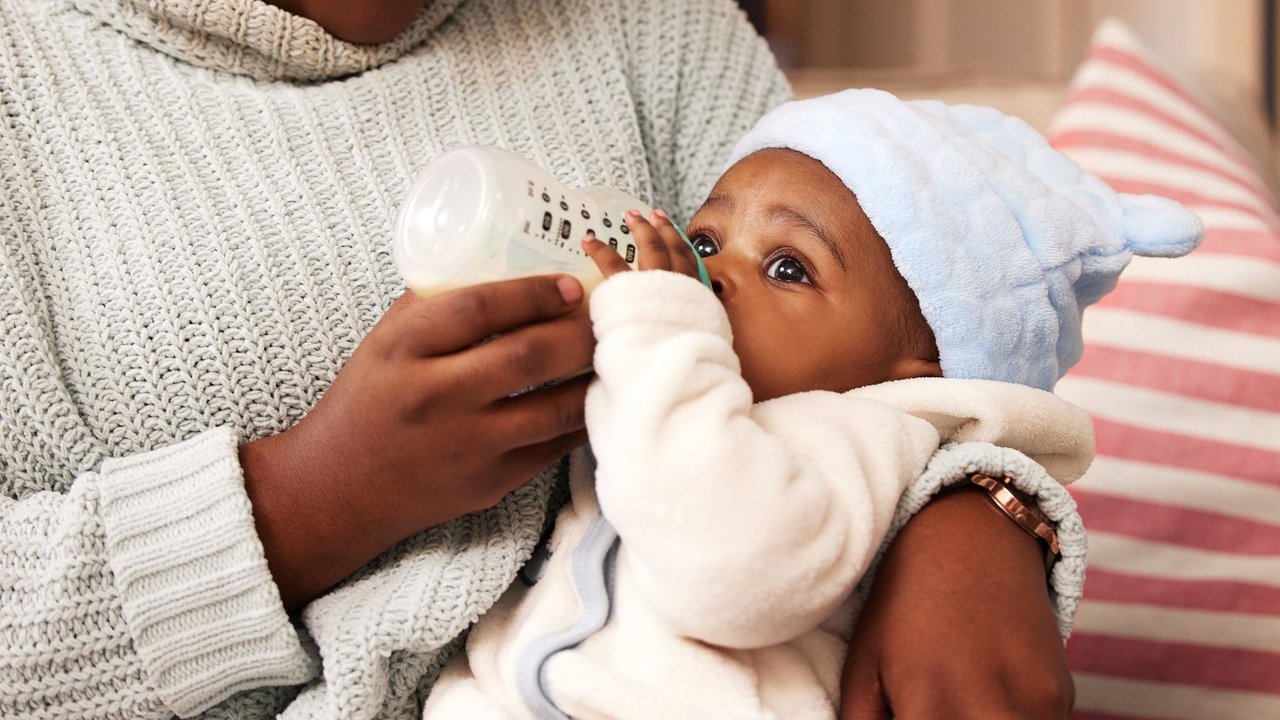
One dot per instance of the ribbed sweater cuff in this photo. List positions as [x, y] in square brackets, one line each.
[202, 608]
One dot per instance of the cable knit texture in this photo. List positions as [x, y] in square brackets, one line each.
[196, 200]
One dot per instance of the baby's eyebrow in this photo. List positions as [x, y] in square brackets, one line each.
[716, 200]
[790, 216]
[784, 215]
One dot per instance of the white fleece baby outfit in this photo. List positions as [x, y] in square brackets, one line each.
[742, 528]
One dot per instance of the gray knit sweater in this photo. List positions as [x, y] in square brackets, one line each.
[196, 198]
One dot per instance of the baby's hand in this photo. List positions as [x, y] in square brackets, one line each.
[659, 244]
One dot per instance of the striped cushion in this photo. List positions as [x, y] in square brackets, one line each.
[1181, 371]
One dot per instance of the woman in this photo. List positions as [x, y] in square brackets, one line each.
[195, 212]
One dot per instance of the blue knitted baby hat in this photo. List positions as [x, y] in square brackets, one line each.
[1003, 239]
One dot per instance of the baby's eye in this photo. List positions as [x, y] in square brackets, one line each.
[788, 270]
[704, 246]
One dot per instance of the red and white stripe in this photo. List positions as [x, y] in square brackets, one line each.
[1181, 372]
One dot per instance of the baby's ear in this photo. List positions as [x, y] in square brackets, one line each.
[916, 367]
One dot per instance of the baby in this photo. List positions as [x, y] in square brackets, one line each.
[886, 278]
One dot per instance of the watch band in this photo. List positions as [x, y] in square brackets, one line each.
[1021, 510]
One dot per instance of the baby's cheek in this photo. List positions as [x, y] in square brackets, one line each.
[772, 366]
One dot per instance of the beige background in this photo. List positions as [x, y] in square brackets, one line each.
[1018, 54]
[1026, 39]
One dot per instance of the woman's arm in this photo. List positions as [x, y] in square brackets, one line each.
[150, 586]
[959, 622]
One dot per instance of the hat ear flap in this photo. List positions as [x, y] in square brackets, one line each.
[1159, 227]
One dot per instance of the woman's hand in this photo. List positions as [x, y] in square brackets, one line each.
[959, 623]
[421, 427]
[659, 246]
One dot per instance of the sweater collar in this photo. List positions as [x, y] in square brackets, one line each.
[250, 37]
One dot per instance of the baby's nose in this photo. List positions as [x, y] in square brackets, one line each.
[721, 283]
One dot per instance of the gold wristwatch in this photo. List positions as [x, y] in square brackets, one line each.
[1021, 510]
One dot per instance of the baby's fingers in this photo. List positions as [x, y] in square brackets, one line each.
[680, 254]
[605, 257]
[652, 251]
[660, 245]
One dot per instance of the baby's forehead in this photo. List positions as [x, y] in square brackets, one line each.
[779, 177]
[789, 186]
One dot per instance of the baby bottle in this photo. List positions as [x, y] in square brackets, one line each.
[478, 214]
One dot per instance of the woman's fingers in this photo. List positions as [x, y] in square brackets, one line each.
[530, 459]
[456, 320]
[524, 358]
[545, 414]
